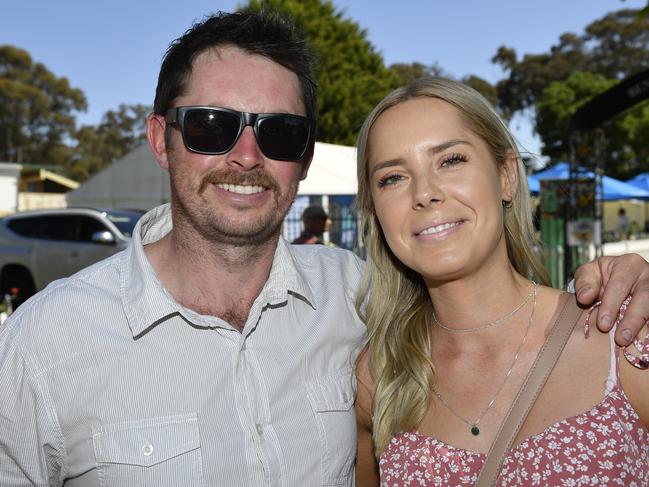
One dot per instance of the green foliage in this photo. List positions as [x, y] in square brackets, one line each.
[559, 101]
[614, 46]
[352, 77]
[625, 152]
[620, 44]
[577, 68]
[408, 72]
[483, 87]
[37, 110]
[528, 78]
[97, 146]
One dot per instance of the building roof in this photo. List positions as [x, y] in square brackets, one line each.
[29, 175]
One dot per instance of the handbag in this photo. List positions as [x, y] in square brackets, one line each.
[529, 391]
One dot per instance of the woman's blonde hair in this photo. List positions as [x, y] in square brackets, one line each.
[393, 300]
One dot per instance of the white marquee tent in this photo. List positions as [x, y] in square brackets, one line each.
[136, 180]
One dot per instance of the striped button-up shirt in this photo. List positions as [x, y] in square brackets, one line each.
[106, 380]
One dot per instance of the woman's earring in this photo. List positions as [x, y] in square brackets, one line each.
[507, 205]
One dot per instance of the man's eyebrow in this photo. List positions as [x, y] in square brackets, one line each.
[433, 150]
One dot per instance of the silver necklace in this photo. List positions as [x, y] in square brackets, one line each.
[474, 426]
[490, 324]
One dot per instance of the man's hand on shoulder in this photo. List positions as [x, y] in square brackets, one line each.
[611, 280]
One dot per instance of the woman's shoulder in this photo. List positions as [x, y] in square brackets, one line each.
[586, 342]
[551, 303]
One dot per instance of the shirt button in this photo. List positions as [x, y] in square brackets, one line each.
[147, 449]
[243, 347]
[260, 429]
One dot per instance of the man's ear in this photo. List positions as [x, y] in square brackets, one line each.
[509, 176]
[155, 135]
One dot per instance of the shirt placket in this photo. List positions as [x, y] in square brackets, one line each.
[254, 401]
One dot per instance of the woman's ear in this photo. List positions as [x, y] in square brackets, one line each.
[509, 176]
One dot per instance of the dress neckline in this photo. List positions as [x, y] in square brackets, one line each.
[616, 390]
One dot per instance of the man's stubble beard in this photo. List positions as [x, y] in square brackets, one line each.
[214, 225]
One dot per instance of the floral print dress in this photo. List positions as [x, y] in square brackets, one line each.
[607, 445]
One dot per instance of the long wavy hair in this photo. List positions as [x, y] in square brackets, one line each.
[393, 300]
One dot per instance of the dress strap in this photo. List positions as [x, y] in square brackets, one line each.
[613, 370]
[639, 360]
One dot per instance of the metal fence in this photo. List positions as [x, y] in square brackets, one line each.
[343, 229]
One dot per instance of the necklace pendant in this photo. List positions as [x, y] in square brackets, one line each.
[475, 431]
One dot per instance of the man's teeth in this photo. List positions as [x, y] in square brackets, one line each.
[439, 228]
[236, 188]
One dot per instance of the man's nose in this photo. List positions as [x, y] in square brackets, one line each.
[246, 154]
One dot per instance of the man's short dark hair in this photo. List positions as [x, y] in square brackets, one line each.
[267, 34]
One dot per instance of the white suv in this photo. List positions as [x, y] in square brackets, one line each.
[37, 247]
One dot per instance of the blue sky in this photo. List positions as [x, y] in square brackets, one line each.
[112, 50]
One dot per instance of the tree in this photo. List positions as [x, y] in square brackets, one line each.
[483, 87]
[118, 133]
[625, 151]
[557, 105]
[408, 72]
[37, 110]
[577, 68]
[614, 46]
[352, 77]
[528, 78]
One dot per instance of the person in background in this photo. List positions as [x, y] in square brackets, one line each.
[315, 220]
[212, 352]
[457, 306]
[622, 225]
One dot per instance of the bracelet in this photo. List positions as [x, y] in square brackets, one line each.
[639, 361]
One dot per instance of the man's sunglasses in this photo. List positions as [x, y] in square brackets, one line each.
[215, 130]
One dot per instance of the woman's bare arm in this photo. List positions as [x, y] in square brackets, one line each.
[367, 472]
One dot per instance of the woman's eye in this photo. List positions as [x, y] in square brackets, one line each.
[388, 180]
[453, 159]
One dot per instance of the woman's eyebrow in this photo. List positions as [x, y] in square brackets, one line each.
[445, 145]
[433, 150]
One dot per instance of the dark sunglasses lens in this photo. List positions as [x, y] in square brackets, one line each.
[283, 137]
[210, 131]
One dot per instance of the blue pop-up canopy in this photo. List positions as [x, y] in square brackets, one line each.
[640, 181]
[614, 189]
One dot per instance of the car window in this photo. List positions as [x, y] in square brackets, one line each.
[25, 227]
[46, 227]
[88, 226]
[124, 220]
[60, 227]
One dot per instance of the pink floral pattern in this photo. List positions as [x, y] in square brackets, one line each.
[608, 445]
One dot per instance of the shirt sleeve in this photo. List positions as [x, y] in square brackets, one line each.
[31, 445]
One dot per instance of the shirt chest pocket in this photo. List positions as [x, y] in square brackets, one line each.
[156, 451]
[332, 398]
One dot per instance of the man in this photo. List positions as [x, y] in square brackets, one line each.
[315, 220]
[210, 352]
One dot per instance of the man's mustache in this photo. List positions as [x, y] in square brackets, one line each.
[251, 178]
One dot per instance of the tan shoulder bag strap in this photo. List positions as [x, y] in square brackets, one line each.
[529, 391]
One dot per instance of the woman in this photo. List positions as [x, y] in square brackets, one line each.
[457, 308]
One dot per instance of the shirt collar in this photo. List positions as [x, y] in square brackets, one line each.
[147, 303]
[286, 275]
